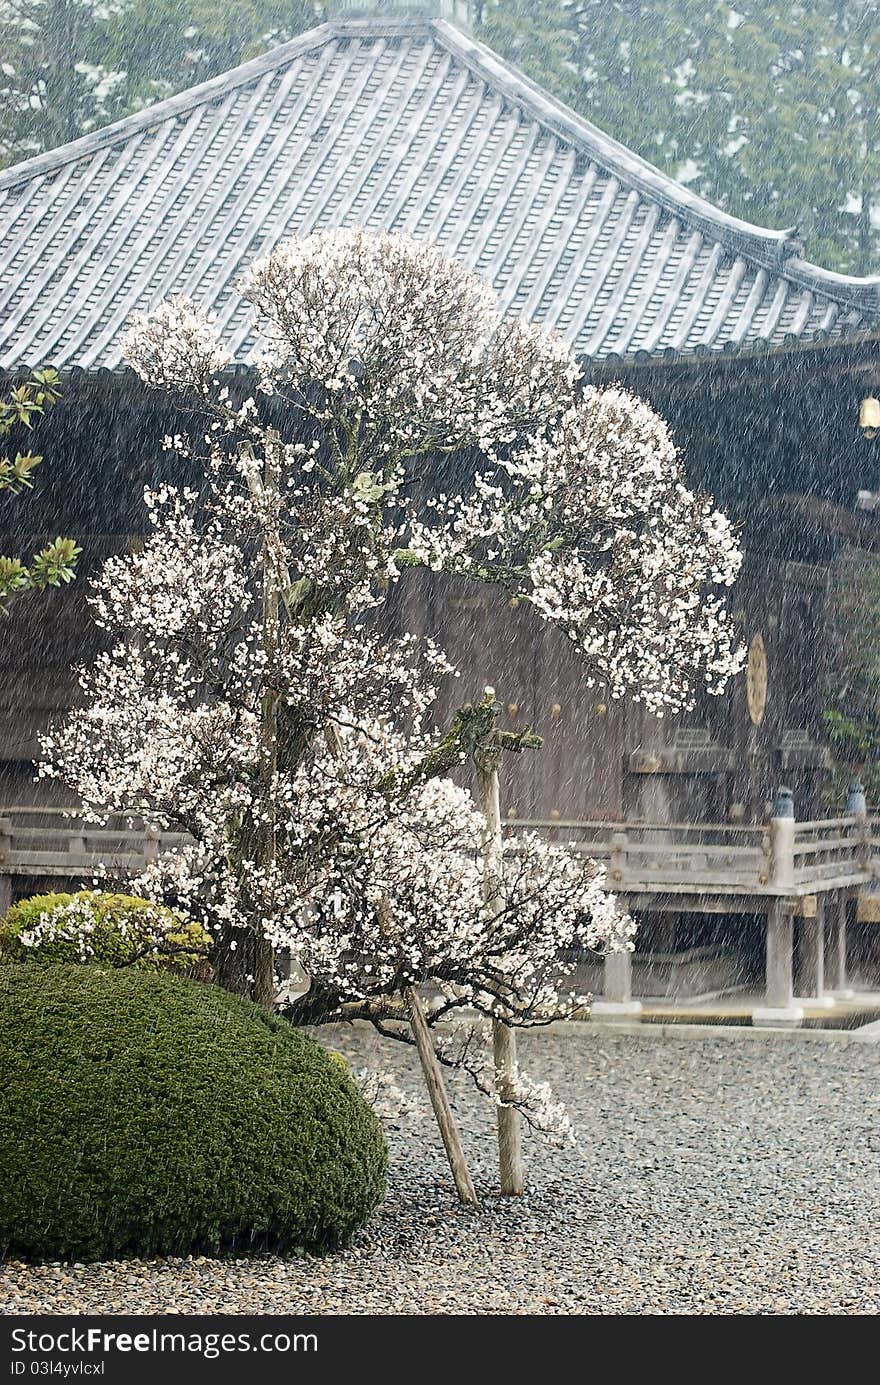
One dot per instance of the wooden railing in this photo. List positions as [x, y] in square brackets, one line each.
[832, 850]
[778, 857]
[49, 842]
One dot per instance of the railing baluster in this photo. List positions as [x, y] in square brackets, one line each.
[617, 871]
[5, 840]
[781, 833]
[714, 859]
[5, 860]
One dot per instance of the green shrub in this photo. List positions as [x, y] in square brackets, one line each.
[122, 931]
[144, 1115]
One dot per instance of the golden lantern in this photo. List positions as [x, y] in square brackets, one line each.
[869, 416]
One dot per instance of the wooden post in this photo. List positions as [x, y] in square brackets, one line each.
[617, 861]
[439, 1098]
[5, 860]
[813, 954]
[782, 830]
[837, 969]
[617, 1002]
[618, 978]
[779, 1007]
[811, 971]
[864, 847]
[780, 935]
[76, 843]
[857, 805]
[503, 1038]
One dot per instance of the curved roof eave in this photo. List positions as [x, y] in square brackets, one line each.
[574, 230]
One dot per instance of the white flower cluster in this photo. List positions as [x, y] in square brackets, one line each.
[400, 902]
[145, 933]
[384, 335]
[176, 345]
[464, 1045]
[590, 520]
[388, 352]
[73, 923]
[384, 1093]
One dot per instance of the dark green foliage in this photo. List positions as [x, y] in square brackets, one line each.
[769, 108]
[144, 1115]
[852, 712]
[71, 66]
[124, 933]
[19, 409]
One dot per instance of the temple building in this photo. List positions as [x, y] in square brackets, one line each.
[397, 119]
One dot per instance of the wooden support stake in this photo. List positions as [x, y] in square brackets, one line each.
[510, 1163]
[439, 1098]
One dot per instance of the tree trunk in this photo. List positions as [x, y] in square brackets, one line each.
[263, 984]
[239, 968]
[439, 1098]
[503, 1038]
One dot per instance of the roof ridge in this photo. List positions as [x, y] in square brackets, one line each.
[862, 291]
[780, 251]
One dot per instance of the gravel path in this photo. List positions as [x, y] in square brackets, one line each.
[715, 1176]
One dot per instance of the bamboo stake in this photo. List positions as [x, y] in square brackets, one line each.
[439, 1098]
[510, 1161]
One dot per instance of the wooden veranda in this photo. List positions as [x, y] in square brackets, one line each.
[782, 870]
[818, 872]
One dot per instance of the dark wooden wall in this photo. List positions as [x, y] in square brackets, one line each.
[755, 435]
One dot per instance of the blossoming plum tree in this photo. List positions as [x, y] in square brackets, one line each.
[249, 698]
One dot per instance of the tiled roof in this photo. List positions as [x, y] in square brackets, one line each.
[405, 125]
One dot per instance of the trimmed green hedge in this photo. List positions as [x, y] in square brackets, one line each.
[121, 937]
[144, 1115]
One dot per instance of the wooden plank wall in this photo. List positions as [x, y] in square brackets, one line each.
[101, 444]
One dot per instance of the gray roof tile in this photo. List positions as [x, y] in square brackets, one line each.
[405, 125]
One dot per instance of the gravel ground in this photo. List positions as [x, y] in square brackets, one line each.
[714, 1176]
